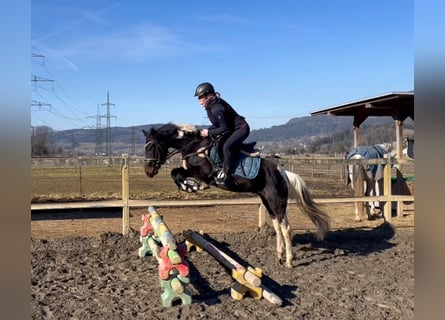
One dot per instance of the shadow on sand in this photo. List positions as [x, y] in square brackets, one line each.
[358, 241]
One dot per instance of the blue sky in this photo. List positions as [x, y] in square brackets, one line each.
[271, 60]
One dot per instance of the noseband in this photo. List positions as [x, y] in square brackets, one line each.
[157, 162]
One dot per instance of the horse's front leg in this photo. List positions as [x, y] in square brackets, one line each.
[182, 179]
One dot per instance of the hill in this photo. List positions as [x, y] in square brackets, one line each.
[307, 127]
[303, 134]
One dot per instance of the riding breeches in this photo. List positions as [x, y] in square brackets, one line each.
[232, 146]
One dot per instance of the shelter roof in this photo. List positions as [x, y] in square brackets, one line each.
[398, 105]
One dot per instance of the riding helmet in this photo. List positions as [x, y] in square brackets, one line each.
[204, 88]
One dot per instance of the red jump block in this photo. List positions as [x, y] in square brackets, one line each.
[146, 227]
[166, 267]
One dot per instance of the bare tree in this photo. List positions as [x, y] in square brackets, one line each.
[41, 141]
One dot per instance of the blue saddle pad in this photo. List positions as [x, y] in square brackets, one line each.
[368, 152]
[246, 166]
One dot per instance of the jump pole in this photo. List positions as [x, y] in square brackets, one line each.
[247, 279]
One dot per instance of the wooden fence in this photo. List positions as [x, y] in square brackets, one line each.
[313, 164]
[387, 197]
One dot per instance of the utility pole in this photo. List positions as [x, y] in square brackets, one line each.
[108, 116]
[98, 133]
[98, 149]
[35, 103]
[133, 142]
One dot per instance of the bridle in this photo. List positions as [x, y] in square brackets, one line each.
[156, 161]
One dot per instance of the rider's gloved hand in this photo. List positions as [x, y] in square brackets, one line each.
[204, 133]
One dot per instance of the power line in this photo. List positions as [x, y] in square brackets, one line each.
[37, 79]
[61, 95]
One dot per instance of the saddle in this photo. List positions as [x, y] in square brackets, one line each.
[249, 149]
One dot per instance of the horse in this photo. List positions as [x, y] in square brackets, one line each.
[408, 151]
[370, 175]
[268, 180]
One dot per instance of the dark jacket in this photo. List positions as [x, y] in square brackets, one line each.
[223, 117]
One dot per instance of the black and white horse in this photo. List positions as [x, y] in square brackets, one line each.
[263, 177]
[367, 180]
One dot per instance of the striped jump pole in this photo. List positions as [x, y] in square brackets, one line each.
[247, 279]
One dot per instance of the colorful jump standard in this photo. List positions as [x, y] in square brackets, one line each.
[247, 279]
[173, 270]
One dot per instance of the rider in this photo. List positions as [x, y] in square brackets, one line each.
[226, 122]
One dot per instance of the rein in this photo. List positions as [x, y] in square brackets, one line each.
[158, 162]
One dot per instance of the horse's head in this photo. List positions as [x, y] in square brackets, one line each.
[159, 140]
[155, 153]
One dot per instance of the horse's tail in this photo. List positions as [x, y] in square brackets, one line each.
[299, 191]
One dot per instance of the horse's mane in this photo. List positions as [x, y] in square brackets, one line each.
[184, 129]
[174, 130]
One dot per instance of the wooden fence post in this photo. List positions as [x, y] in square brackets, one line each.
[261, 215]
[387, 189]
[313, 165]
[80, 180]
[125, 196]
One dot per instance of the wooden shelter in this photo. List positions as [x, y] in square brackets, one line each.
[398, 105]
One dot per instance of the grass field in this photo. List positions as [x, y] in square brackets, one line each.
[105, 183]
[324, 177]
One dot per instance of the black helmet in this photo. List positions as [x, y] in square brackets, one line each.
[204, 88]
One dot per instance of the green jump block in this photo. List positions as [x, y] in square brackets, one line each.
[174, 289]
[142, 252]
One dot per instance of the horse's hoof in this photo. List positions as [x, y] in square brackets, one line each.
[289, 264]
[358, 219]
[189, 186]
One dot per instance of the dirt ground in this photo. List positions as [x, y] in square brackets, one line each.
[84, 268]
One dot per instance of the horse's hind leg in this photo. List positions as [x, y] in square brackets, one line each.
[274, 197]
[282, 231]
[285, 230]
[374, 206]
[279, 235]
[357, 211]
[359, 187]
